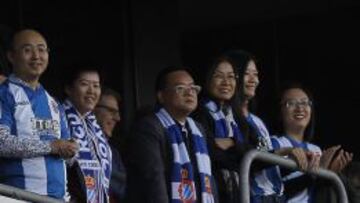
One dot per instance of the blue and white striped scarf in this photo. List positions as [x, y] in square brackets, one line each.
[94, 156]
[182, 176]
[225, 126]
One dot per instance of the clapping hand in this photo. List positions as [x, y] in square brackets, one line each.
[335, 159]
[313, 161]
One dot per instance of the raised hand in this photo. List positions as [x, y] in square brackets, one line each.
[327, 156]
[340, 161]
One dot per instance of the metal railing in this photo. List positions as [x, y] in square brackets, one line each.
[286, 163]
[20, 194]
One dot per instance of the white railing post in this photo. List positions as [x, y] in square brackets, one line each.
[285, 163]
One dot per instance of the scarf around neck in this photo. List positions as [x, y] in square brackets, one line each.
[182, 175]
[94, 156]
[225, 126]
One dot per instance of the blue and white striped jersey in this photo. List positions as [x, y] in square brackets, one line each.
[29, 120]
[286, 141]
[268, 181]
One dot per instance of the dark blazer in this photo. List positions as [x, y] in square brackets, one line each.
[150, 160]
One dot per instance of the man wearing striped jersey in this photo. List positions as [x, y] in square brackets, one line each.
[33, 132]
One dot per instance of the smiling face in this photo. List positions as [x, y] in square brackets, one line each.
[29, 55]
[85, 91]
[295, 110]
[107, 113]
[251, 80]
[223, 82]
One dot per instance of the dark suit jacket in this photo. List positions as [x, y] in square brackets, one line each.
[149, 162]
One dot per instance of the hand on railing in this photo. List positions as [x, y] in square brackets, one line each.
[300, 157]
[313, 161]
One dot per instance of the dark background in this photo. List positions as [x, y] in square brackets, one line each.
[313, 41]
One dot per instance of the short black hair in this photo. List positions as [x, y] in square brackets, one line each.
[161, 78]
[10, 45]
[73, 71]
[106, 91]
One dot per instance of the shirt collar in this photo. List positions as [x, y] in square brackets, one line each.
[17, 80]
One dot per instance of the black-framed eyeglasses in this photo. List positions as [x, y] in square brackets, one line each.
[113, 111]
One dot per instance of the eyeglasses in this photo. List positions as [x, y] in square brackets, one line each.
[297, 103]
[182, 89]
[111, 110]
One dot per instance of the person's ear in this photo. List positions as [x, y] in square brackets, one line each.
[67, 90]
[160, 97]
[10, 56]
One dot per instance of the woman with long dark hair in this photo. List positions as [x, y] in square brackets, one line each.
[230, 135]
[222, 127]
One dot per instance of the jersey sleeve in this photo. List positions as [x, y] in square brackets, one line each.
[12, 146]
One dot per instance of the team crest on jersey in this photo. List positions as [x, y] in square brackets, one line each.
[186, 188]
[89, 182]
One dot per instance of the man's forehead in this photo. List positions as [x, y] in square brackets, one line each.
[90, 80]
[179, 77]
[29, 37]
[108, 98]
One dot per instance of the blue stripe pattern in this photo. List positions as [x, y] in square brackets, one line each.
[221, 124]
[182, 174]
[268, 181]
[304, 196]
[29, 106]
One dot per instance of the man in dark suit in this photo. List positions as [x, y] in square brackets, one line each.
[157, 172]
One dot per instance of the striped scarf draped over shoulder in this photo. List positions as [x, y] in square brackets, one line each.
[225, 125]
[94, 156]
[182, 175]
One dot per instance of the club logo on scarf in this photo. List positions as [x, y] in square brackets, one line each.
[186, 188]
[89, 182]
[207, 184]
